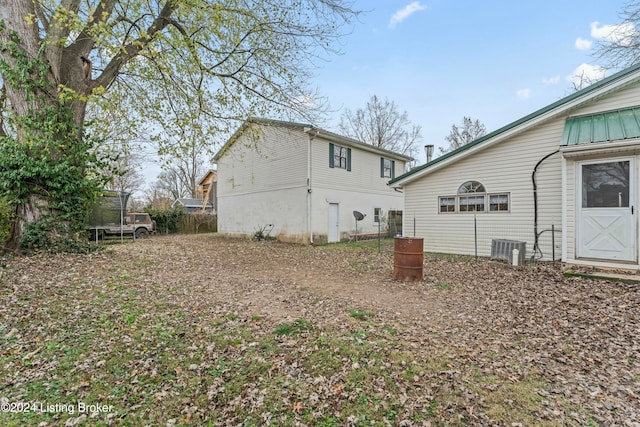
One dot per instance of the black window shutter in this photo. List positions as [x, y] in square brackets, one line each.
[393, 169]
[381, 167]
[331, 155]
[349, 159]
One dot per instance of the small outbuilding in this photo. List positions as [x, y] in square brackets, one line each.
[189, 205]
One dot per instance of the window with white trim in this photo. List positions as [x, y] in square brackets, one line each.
[387, 168]
[448, 204]
[473, 197]
[377, 214]
[339, 157]
[471, 203]
[499, 203]
[471, 187]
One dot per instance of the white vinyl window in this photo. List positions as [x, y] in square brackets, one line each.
[377, 213]
[471, 203]
[339, 157]
[499, 203]
[448, 204]
[387, 168]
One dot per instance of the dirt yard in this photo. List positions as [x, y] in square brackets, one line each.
[203, 330]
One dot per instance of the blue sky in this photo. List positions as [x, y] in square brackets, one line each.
[441, 60]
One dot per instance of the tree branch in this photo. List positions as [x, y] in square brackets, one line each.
[42, 17]
[134, 48]
[84, 42]
[59, 31]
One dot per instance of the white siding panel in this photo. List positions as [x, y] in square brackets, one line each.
[364, 175]
[262, 180]
[361, 189]
[244, 214]
[630, 97]
[507, 166]
[350, 201]
[274, 160]
[503, 168]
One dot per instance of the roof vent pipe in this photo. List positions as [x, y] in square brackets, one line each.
[428, 150]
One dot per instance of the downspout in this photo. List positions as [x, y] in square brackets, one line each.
[309, 183]
[536, 247]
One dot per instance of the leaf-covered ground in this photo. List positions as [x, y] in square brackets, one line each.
[203, 330]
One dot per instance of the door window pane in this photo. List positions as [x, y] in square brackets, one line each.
[605, 185]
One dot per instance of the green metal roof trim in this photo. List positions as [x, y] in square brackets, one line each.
[565, 100]
[607, 126]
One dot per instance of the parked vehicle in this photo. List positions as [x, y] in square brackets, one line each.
[138, 223]
[109, 218]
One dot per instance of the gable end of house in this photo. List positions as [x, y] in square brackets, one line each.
[576, 99]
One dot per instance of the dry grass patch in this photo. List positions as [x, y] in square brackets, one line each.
[201, 330]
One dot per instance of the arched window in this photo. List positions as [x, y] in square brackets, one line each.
[471, 187]
[471, 197]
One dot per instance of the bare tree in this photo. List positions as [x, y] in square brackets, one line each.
[382, 125]
[619, 45]
[124, 173]
[158, 197]
[121, 149]
[582, 80]
[459, 136]
[171, 185]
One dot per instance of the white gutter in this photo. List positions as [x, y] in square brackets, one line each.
[309, 183]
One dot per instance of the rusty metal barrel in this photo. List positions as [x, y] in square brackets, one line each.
[408, 257]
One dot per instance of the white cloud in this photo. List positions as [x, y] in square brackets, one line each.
[551, 80]
[620, 33]
[582, 44]
[523, 93]
[586, 74]
[360, 68]
[404, 13]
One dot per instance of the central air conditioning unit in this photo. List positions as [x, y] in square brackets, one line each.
[503, 250]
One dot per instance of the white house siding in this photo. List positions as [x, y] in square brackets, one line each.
[361, 189]
[244, 214]
[347, 203]
[263, 182]
[628, 97]
[505, 167]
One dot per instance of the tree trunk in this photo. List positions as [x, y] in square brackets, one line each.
[31, 98]
[26, 213]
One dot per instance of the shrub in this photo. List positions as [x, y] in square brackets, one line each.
[167, 220]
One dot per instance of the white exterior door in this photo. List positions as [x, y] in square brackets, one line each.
[605, 210]
[334, 223]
